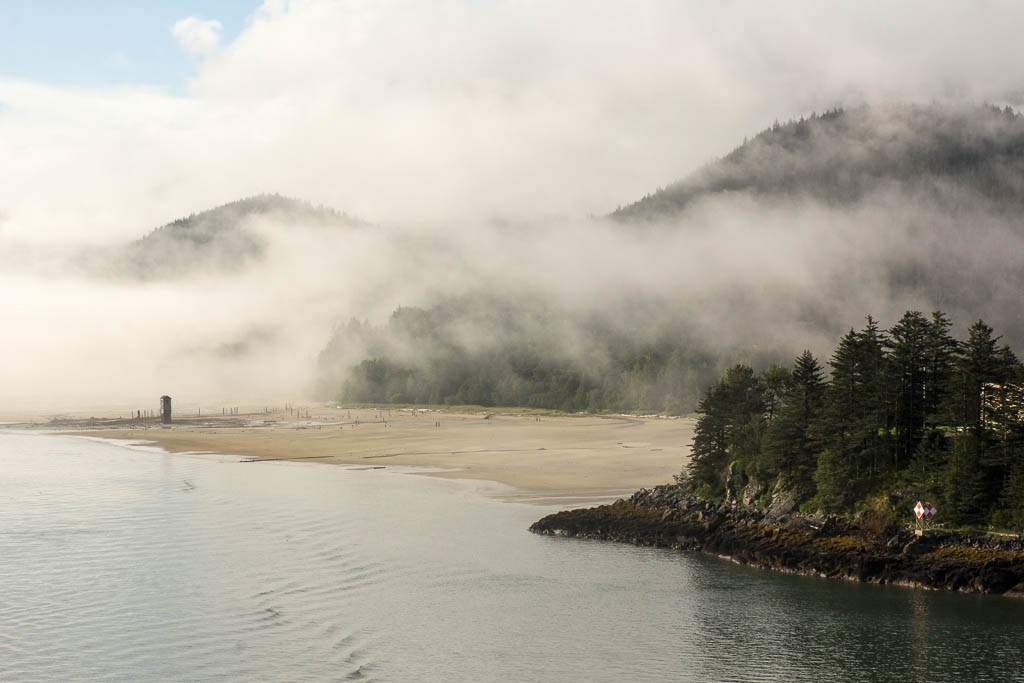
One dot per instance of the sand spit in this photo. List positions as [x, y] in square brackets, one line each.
[565, 460]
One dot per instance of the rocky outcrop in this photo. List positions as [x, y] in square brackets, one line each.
[670, 517]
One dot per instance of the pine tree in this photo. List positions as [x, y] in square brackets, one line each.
[728, 429]
[921, 360]
[790, 449]
[774, 379]
[855, 420]
[963, 483]
[914, 409]
[832, 480]
[984, 405]
[979, 365]
[1012, 500]
[942, 353]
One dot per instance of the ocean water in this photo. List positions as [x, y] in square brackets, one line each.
[130, 564]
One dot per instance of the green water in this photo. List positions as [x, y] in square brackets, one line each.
[133, 565]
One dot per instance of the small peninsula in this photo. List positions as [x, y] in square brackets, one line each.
[830, 547]
[798, 474]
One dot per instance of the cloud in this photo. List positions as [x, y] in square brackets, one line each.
[412, 112]
[197, 37]
[453, 120]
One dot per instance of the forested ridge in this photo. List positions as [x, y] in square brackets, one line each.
[843, 155]
[772, 247]
[486, 350]
[800, 227]
[218, 240]
[904, 414]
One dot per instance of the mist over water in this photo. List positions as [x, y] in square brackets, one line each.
[766, 276]
[479, 151]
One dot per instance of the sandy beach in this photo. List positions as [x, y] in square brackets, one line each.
[545, 459]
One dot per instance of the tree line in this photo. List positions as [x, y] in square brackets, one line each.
[493, 351]
[906, 413]
[844, 155]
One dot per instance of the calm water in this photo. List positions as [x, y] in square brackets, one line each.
[121, 564]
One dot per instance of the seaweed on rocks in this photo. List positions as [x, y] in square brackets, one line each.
[670, 516]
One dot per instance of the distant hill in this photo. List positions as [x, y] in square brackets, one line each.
[807, 226]
[217, 240]
[842, 156]
[487, 349]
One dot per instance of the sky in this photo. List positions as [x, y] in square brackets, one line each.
[108, 43]
[477, 137]
[119, 116]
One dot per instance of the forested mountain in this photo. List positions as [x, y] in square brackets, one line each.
[907, 413]
[220, 240]
[806, 226]
[843, 156]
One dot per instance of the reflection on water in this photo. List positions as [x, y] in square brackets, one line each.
[120, 564]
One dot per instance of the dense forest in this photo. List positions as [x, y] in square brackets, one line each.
[773, 247]
[905, 414]
[844, 155]
[218, 240]
[847, 211]
[495, 351]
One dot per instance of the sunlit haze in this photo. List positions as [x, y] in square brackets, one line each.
[473, 145]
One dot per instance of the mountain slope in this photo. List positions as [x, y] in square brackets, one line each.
[224, 239]
[770, 250]
[842, 156]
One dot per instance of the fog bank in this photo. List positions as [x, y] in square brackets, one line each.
[482, 143]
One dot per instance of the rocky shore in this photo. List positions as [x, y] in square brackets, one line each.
[834, 547]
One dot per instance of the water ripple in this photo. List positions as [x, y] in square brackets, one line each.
[122, 565]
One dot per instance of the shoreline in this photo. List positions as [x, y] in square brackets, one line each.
[544, 459]
[829, 547]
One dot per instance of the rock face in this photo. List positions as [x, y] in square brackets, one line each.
[670, 517]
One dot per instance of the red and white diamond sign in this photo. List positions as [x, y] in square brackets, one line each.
[924, 510]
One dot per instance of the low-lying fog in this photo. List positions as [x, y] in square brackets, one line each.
[481, 142]
[783, 276]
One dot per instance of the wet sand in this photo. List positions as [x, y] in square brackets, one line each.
[546, 459]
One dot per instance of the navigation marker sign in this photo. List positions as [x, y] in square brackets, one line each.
[924, 510]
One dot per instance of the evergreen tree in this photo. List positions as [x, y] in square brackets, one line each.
[774, 378]
[984, 399]
[728, 429]
[832, 479]
[921, 357]
[855, 420]
[1012, 502]
[924, 474]
[964, 495]
[979, 364]
[914, 409]
[790, 449]
[875, 409]
[943, 351]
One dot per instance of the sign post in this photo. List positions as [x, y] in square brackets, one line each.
[924, 512]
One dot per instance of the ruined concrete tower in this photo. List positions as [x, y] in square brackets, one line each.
[165, 409]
